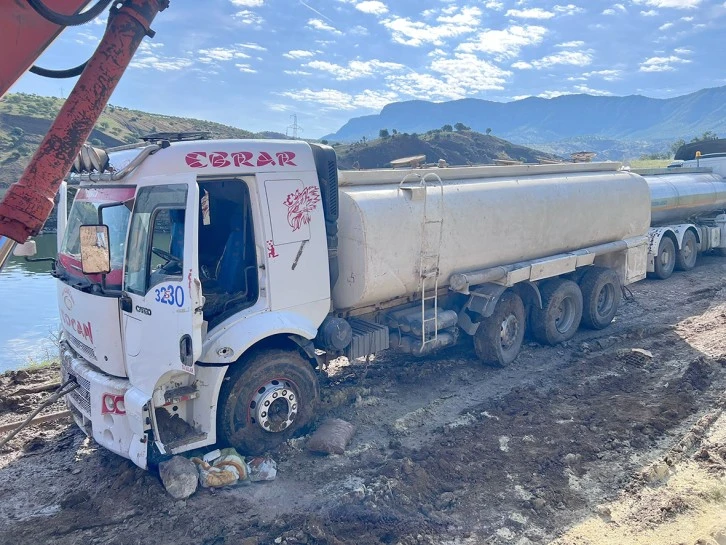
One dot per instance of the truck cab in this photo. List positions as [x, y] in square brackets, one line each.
[213, 254]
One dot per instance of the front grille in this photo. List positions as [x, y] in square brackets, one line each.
[81, 396]
[83, 348]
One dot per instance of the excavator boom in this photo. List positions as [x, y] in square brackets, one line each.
[24, 36]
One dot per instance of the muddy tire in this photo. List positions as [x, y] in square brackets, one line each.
[665, 260]
[561, 312]
[601, 296]
[499, 337]
[687, 255]
[266, 399]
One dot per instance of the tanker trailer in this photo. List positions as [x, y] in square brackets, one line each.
[687, 217]
[427, 254]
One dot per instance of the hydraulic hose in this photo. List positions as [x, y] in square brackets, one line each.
[58, 74]
[68, 20]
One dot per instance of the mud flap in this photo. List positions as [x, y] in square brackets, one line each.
[482, 302]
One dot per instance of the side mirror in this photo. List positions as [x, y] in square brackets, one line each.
[25, 250]
[95, 251]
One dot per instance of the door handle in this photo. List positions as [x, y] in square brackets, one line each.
[186, 354]
[126, 303]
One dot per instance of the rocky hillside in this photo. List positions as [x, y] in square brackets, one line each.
[615, 127]
[24, 120]
[455, 147]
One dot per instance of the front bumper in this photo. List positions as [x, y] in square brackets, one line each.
[124, 433]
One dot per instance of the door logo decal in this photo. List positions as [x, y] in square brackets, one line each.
[300, 205]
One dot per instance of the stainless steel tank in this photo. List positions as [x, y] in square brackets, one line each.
[676, 197]
[491, 216]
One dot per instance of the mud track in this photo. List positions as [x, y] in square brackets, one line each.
[584, 443]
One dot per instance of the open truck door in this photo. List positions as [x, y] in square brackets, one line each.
[162, 300]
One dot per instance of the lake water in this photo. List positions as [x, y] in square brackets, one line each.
[28, 310]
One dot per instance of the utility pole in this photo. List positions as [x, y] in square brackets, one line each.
[295, 127]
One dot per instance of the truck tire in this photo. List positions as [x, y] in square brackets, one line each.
[561, 312]
[499, 337]
[265, 400]
[687, 255]
[601, 295]
[665, 260]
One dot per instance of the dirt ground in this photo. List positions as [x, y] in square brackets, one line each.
[588, 443]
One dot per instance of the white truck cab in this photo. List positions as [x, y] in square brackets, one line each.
[212, 251]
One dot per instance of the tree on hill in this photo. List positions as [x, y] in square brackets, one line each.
[675, 146]
[383, 133]
[708, 135]
[489, 131]
[447, 128]
[461, 127]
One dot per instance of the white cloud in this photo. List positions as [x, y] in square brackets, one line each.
[617, 8]
[247, 17]
[338, 100]
[504, 44]
[676, 4]
[569, 9]
[494, 4]
[530, 13]
[572, 58]
[256, 47]
[607, 75]
[665, 26]
[297, 73]
[571, 44]
[662, 64]
[373, 7]
[248, 3]
[554, 94]
[521, 65]
[298, 54]
[416, 33]
[246, 68]
[221, 54]
[649, 13]
[682, 51]
[167, 64]
[589, 91]
[319, 24]
[355, 69]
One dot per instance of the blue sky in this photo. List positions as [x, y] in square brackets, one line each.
[254, 63]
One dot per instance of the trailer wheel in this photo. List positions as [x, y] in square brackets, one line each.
[499, 337]
[665, 261]
[560, 316]
[601, 295]
[686, 256]
[265, 400]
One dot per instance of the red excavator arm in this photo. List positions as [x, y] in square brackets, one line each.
[27, 27]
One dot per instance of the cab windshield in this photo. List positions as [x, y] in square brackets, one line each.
[85, 211]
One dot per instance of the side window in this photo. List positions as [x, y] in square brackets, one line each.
[156, 239]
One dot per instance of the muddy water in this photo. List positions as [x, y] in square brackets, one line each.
[28, 312]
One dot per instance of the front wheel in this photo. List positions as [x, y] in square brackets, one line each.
[499, 337]
[266, 399]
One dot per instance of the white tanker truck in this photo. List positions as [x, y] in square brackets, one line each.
[201, 283]
[688, 205]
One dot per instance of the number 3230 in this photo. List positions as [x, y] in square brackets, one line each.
[170, 295]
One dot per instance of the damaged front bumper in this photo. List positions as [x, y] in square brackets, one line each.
[119, 427]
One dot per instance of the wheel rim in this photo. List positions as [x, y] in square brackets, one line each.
[605, 299]
[665, 257]
[274, 406]
[688, 250]
[509, 332]
[565, 315]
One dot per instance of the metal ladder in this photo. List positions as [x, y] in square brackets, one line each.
[432, 231]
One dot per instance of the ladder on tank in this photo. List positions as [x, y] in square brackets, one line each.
[432, 231]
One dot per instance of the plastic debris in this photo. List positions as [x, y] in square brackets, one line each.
[331, 437]
[228, 469]
[179, 477]
[262, 468]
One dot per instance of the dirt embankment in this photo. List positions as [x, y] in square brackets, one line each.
[587, 443]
